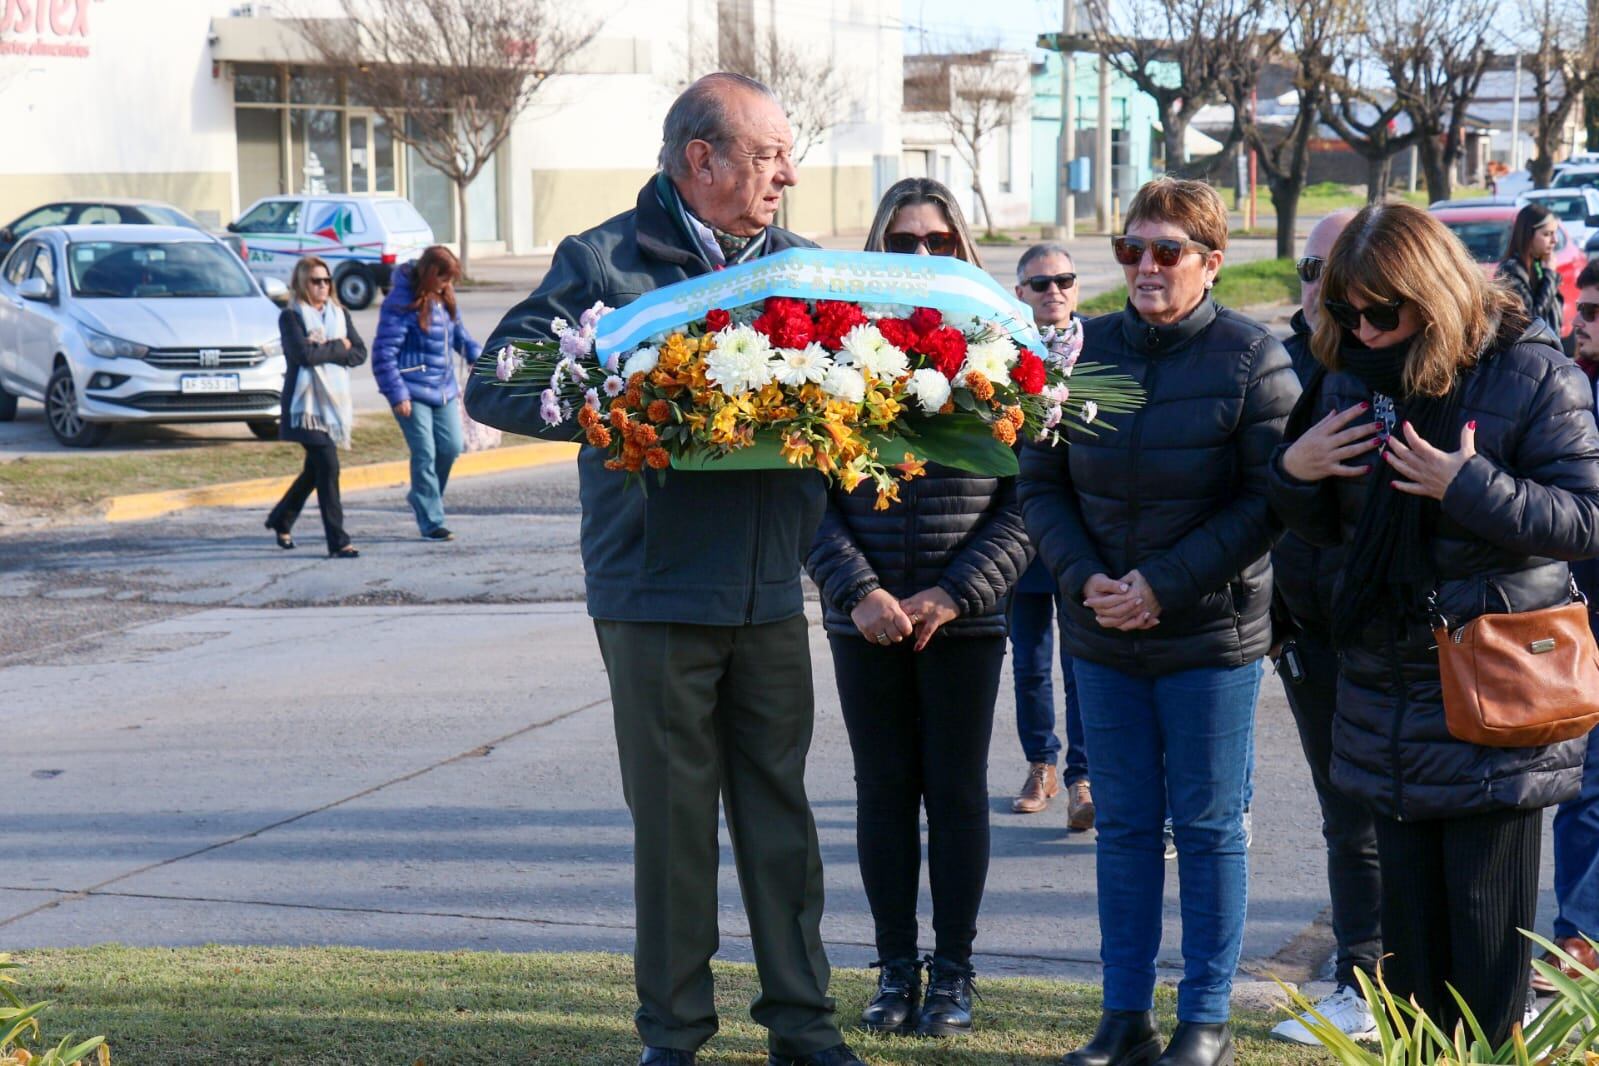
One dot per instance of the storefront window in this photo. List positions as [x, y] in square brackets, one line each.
[318, 141]
[382, 156]
[309, 88]
[257, 85]
[432, 193]
[483, 205]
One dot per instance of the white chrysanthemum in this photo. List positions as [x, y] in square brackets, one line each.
[741, 361]
[993, 358]
[877, 311]
[868, 350]
[845, 382]
[930, 388]
[641, 362]
[614, 386]
[799, 366]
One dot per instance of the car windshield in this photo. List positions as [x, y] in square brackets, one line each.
[1486, 241]
[1565, 208]
[131, 270]
[170, 216]
[1575, 179]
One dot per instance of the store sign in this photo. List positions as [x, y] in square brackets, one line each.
[45, 28]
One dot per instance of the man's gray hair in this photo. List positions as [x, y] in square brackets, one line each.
[701, 113]
[1038, 251]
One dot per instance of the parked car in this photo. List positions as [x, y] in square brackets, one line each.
[109, 211]
[361, 237]
[109, 323]
[1577, 209]
[1485, 231]
[1576, 177]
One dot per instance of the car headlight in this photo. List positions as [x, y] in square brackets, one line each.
[109, 347]
[273, 348]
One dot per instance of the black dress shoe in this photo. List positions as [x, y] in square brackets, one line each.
[666, 1056]
[439, 534]
[1199, 1044]
[948, 1008]
[840, 1055]
[1124, 1038]
[899, 995]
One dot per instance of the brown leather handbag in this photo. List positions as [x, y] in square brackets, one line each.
[1520, 680]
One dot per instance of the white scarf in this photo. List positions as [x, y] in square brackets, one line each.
[322, 399]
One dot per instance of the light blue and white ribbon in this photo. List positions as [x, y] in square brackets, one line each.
[943, 282]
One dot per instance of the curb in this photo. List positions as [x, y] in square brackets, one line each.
[264, 491]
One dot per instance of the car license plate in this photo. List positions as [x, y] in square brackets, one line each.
[193, 383]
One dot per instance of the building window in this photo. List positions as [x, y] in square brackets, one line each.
[257, 85]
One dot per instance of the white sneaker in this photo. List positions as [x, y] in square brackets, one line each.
[1344, 1008]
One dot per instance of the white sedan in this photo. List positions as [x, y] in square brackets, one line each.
[1577, 208]
[107, 324]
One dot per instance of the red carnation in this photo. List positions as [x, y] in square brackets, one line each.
[926, 319]
[945, 348]
[834, 319]
[784, 305]
[786, 327]
[717, 319]
[898, 332]
[1029, 373]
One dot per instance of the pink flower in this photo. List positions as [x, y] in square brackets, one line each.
[550, 408]
[507, 363]
[591, 318]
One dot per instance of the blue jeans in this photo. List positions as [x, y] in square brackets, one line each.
[1577, 854]
[434, 436]
[1183, 736]
[1032, 643]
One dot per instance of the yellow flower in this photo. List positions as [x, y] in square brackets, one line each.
[796, 449]
[912, 467]
[885, 496]
[851, 476]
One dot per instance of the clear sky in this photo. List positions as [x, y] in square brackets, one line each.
[1012, 23]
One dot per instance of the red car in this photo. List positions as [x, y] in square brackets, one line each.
[1485, 231]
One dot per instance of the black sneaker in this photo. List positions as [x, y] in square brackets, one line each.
[947, 1011]
[439, 534]
[899, 994]
[838, 1055]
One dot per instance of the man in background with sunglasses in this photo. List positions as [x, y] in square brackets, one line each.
[1046, 281]
[1303, 577]
[1576, 828]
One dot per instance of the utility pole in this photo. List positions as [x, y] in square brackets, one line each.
[1515, 118]
[1065, 201]
[1102, 150]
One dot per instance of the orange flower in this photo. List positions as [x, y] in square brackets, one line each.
[658, 458]
[659, 411]
[618, 404]
[599, 436]
[1004, 432]
[635, 381]
[912, 467]
[646, 436]
[618, 417]
[634, 395]
[980, 386]
[614, 464]
[796, 449]
[1016, 416]
[587, 416]
[885, 496]
[948, 408]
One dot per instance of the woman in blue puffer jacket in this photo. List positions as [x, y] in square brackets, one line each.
[419, 327]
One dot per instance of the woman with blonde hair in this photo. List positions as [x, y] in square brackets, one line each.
[914, 606]
[320, 344]
[1451, 450]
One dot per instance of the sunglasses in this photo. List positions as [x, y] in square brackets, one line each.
[320, 281]
[1309, 269]
[938, 243]
[1383, 317]
[1040, 283]
[1588, 312]
[1167, 251]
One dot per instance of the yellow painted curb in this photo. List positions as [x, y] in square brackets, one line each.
[265, 491]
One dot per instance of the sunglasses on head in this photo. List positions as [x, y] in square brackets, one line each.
[1167, 251]
[936, 243]
[1040, 283]
[1382, 316]
[1309, 268]
[1587, 312]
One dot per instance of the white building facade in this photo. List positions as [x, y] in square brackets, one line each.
[214, 104]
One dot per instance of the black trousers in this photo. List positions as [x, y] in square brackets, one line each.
[1454, 892]
[1354, 882]
[321, 473]
[919, 725]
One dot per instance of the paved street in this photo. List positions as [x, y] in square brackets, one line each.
[216, 741]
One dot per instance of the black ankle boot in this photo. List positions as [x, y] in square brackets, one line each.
[948, 1009]
[899, 994]
[1199, 1044]
[1124, 1038]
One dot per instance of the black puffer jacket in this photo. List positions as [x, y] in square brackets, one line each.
[952, 529]
[1539, 291]
[1526, 502]
[1304, 575]
[1176, 490]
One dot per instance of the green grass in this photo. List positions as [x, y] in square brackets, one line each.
[1264, 281]
[315, 1006]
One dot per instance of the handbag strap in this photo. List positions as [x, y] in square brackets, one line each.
[1441, 621]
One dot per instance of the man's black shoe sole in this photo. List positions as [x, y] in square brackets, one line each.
[1144, 1054]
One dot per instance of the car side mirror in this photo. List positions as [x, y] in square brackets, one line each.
[35, 289]
[275, 290]
[233, 227]
[7, 236]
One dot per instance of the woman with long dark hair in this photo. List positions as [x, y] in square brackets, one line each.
[1528, 268]
[1451, 450]
[914, 606]
[419, 333]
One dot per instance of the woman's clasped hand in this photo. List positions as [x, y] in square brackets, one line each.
[882, 619]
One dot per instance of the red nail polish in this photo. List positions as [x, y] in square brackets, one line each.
[1365, 406]
[1472, 425]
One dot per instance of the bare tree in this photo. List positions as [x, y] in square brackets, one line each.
[1183, 54]
[1365, 121]
[1563, 66]
[449, 77]
[1434, 54]
[976, 94]
[1315, 34]
[809, 84]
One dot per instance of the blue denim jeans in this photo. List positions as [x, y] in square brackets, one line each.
[1577, 854]
[434, 436]
[1183, 737]
[1032, 645]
